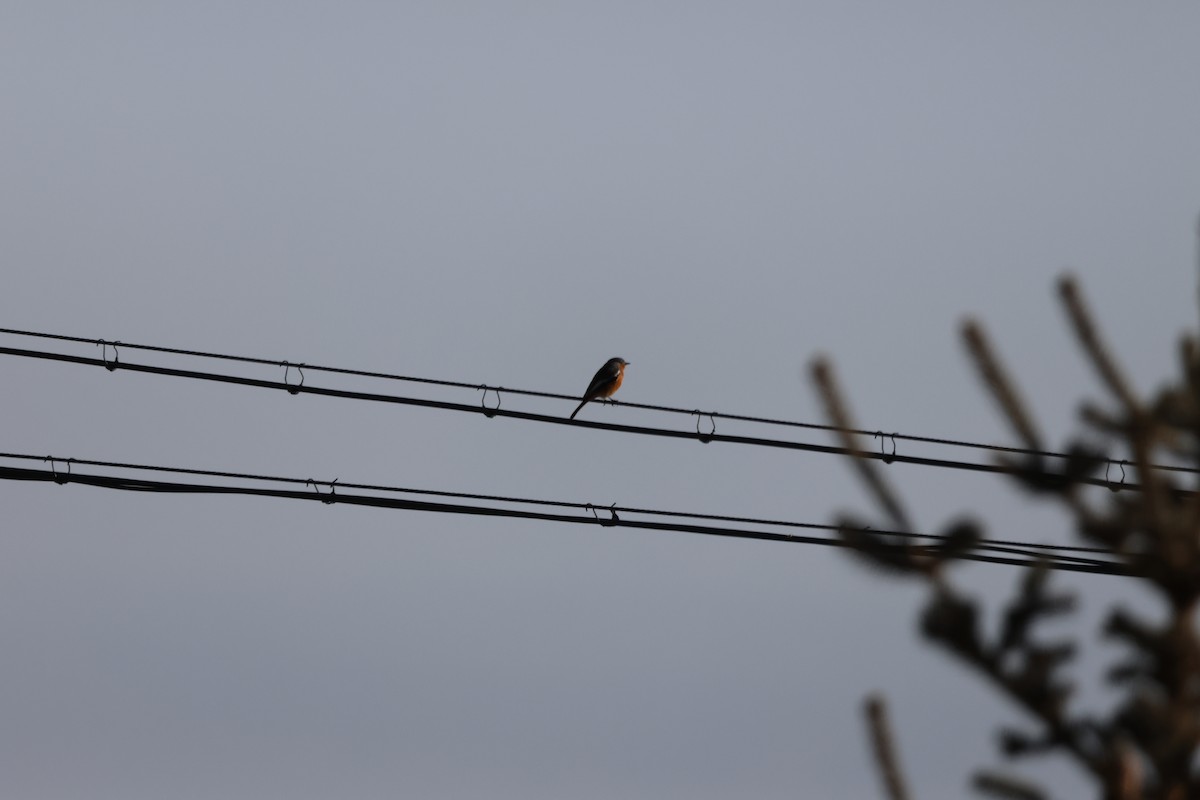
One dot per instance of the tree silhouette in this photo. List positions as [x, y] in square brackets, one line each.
[1144, 748]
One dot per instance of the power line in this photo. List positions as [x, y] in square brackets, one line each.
[67, 462]
[700, 415]
[331, 492]
[300, 388]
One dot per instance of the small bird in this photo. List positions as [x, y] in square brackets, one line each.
[605, 384]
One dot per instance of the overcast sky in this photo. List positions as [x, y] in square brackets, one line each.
[511, 194]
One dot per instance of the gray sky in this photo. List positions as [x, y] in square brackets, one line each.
[511, 195]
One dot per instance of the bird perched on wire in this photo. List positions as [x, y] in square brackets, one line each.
[608, 379]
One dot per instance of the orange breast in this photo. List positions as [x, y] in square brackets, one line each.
[611, 389]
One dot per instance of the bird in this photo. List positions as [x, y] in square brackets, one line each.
[606, 382]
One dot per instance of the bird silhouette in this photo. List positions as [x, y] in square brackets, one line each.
[606, 382]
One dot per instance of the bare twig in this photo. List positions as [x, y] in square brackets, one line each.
[838, 412]
[1198, 258]
[1089, 338]
[994, 783]
[884, 748]
[1001, 386]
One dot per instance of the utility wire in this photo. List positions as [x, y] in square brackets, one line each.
[713, 416]
[587, 507]
[705, 437]
[60, 471]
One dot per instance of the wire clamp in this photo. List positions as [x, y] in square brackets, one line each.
[887, 458]
[328, 498]
[489, 411]
[1115, 487]
[607, 523]
[59, 477]
[293, 388]
[705, 438]
[116, 359]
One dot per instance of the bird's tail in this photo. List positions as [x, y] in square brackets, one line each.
[576, 411]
